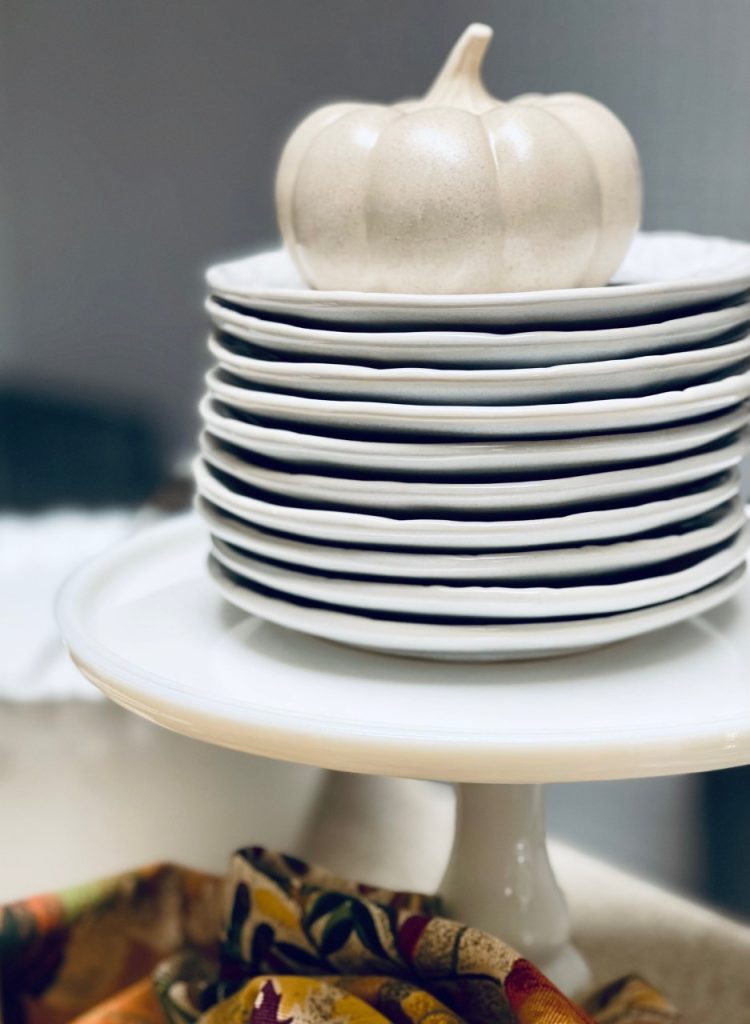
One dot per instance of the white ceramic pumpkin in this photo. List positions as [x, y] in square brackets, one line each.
[459, 192]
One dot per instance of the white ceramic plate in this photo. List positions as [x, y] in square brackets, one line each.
[623, 520]
[664, 271]
[462, 348]
[417, 495]
[606, 379]
[318, 450]
[488, 601]
[490, 642]
[611, 378]
[487, 420]
[532, 564]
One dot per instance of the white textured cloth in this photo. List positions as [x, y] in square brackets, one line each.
[37, 553]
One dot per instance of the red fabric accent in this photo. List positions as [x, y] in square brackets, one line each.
[410, 933]
[535, 1000]
[266, 1009]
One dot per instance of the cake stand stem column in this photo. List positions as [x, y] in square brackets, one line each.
[499, 878]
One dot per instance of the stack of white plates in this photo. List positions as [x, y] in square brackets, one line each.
[490, 476]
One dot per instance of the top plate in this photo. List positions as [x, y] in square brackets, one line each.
[663, 271]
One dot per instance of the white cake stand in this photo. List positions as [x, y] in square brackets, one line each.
[145, 625]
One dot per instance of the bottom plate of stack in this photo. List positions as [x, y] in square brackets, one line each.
[487, 641]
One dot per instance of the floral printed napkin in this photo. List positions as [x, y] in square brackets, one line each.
[276, 942]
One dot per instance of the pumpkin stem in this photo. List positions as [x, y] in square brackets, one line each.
[463, 66]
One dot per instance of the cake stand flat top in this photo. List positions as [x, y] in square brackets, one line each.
[145, 625]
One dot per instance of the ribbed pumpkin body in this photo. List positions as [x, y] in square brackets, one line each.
[459, 192]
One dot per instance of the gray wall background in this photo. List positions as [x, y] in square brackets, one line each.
[140, 139]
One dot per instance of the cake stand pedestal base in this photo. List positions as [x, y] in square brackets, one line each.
[498, 878]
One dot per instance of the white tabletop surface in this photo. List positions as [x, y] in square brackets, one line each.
[145, 624]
